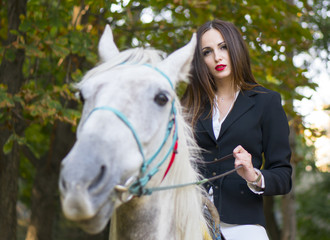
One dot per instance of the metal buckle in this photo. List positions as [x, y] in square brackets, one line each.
[123, 191]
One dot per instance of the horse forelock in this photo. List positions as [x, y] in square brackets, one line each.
[129, 56]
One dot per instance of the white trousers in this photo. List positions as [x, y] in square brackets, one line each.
[243, 232]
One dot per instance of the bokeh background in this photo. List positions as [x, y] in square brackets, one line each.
[47, 46]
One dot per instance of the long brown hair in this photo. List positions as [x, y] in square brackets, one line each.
[202, 87]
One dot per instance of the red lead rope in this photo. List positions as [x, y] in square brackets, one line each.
[172, 158]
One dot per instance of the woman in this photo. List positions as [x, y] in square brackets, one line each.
[231, 113]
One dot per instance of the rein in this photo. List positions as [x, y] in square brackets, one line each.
[151, 190]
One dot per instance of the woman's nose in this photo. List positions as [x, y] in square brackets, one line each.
[217, 56]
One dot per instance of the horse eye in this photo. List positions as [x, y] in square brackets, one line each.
[161, 99]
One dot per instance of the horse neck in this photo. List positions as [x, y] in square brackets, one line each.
[161, 216]
[139, 219]
[170, 214]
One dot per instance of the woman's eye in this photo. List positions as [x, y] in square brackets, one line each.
[161, 99]
[207, 52]
[223, 47]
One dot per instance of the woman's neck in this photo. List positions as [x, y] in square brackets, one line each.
[226, 90]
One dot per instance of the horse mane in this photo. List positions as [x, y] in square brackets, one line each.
[188, 200]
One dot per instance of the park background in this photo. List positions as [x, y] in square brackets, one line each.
[47, 46]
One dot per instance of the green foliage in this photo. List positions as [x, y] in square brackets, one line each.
[10, 141]
[48, 105]
[316, 19]
[6, 100]
[27, 173]
[314, 208]
[38, 138]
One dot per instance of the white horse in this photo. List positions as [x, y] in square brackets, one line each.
[126, 140]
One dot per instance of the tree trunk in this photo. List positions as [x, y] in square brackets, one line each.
[11, 75]
[8, 191]
[272, 227]
[289, 223]
[45, 198]
[289, 212]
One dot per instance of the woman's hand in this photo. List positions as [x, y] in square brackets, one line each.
[244, 158]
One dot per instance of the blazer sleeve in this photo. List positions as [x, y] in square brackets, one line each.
[275, 129]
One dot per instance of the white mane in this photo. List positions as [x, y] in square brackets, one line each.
[188, 200]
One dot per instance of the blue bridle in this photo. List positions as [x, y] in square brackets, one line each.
[137, 188]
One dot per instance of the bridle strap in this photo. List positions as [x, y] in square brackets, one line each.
[170, 125]
[172, 159]
[161, 72]
[124, 119]
[137, 188]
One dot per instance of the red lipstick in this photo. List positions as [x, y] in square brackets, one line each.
[220, 67]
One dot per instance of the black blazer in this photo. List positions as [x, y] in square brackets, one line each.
[258, 122]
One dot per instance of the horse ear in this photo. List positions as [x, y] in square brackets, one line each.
[177, 65]
[107, 47]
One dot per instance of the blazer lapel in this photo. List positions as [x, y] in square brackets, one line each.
[207, 121]
[243, 103]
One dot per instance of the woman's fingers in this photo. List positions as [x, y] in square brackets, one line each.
[244, 158]
[238, 149]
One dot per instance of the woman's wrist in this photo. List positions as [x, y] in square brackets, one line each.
[257, 179]
[257, 187]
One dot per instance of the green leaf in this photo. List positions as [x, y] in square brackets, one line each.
[37, 139]
[26, 25]
[10, 54]
[8, 146]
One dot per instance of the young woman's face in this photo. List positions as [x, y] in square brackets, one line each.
[216, 56]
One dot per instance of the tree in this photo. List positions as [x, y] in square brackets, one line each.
[316, 18]
[11, 76]
[59, 38]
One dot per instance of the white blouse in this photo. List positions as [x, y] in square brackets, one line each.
[216, 115]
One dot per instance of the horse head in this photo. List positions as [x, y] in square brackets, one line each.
[128, 104]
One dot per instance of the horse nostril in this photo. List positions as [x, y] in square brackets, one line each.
[98, 178]
[62, 184]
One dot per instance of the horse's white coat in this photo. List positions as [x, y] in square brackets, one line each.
[106, 153]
